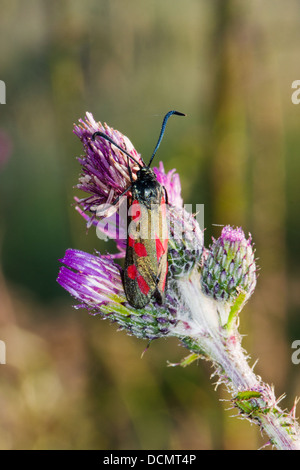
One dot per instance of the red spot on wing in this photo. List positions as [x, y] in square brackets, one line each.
[131, 241]
[135, 210]
[140, 249]
[163, 207]
[143, 285]
[165, 244]
[132, 271]
[161, 248]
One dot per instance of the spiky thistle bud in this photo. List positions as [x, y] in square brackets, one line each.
[185, 242]
[229, 266]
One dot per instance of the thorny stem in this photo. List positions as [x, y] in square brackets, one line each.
[205, 335]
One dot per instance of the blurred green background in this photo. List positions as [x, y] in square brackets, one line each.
[72, 381]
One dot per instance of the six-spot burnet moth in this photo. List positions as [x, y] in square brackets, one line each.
[146, 261]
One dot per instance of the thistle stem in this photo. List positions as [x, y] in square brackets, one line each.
[205, 334]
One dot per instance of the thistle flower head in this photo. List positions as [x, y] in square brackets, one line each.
[104, 167]
[229, 266]
[96, 282]
[186, 241]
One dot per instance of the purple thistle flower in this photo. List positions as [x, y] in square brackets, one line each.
[105, 176]
[171, 182]
[96, 282]
[104, 167]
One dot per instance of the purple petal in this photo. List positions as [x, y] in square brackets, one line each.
[171, 182]
[89, 278]
[231, 234]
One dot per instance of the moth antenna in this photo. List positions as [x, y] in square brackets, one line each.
[163, 126]
[106, 137]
